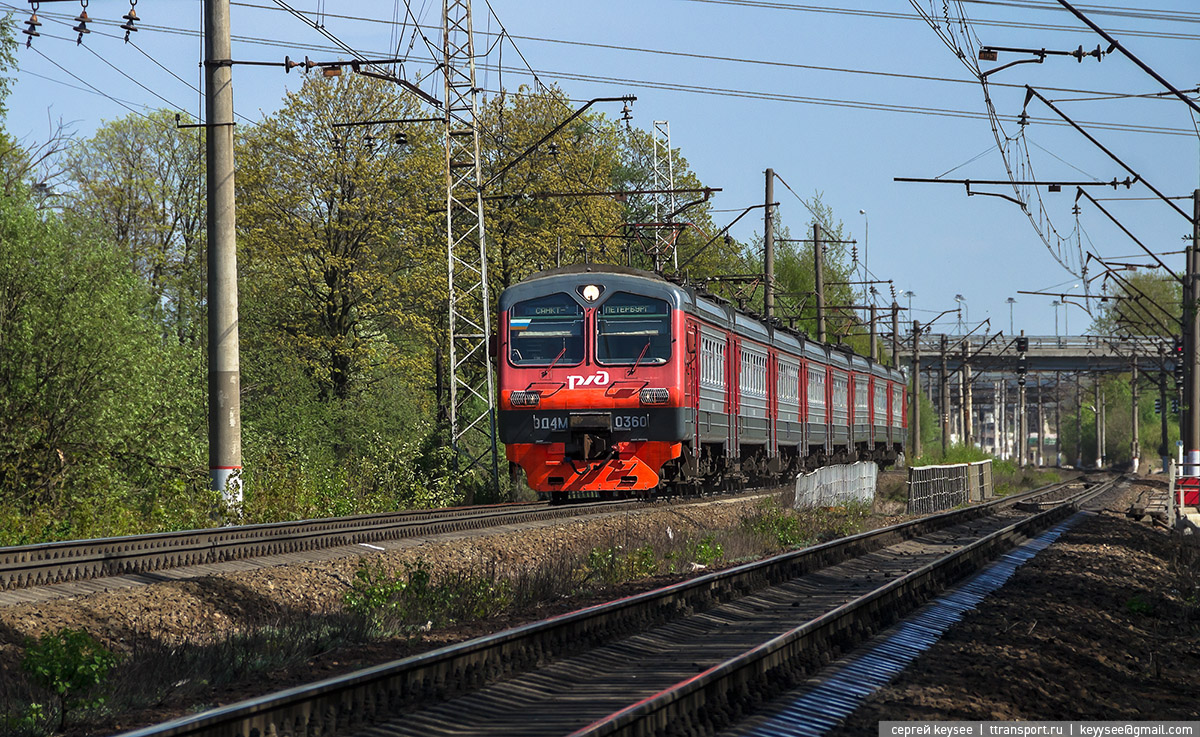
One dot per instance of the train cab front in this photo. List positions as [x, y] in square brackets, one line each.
[591, 395]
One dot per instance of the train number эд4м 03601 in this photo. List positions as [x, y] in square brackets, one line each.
[631, 422]
[549, 423]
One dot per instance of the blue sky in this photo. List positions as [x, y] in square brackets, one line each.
[760, 101]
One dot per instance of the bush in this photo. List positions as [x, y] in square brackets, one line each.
[777, 527]
[615, 566]
[706, 551]
[70, 665]
[101, 417]
[411, 601]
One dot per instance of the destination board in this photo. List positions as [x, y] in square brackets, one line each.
[656, 309]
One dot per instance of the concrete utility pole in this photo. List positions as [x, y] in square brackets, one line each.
[960, 416]
[769, 250]
[998, 414]
[1041, 428]
[895, 334]
[874, 336]
[914, 413]
[944, 401]
[1022, 427]
[1189, 411]
[1164, 448]
[224, 371]
[1104, 427]
[1134, 443]
[819, 279]
[1099, 429]
[1078, 420]
[1058, 419]
[968, 400]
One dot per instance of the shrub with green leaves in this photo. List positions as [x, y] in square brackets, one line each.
[410, 600]
[706, 551]
[613, 565]
[778, 527]
[71, 666]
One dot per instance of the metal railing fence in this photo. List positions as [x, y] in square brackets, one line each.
[938, 488]
[833, 486]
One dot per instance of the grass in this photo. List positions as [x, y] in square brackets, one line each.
[402, 604]
[152, 672]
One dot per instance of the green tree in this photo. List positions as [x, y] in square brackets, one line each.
[338, 232]
[141, 178]
[702, 252]
[540, 210]
[342, 256]
[26, 165]
[70, 665]
[98, 418]
[1139, 304]
[795, 280]
[1142, 303]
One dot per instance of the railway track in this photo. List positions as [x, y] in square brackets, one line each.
[688, 658]
[80, 560]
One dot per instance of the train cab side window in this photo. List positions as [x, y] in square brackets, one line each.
[547, 330]
[631, 328]
[712, 362]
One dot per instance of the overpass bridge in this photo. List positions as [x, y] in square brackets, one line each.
[1075, 353]
[972, 381]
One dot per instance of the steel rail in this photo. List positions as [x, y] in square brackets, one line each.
[758, 673]
[343, 703]
[60, 562]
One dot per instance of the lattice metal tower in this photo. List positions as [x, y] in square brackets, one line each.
[472, 389]
[664, 203]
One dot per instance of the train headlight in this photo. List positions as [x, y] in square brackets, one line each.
[590, 292]
[654, 396]
[524, 399]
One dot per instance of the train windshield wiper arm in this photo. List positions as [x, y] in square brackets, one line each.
[546, 371]
[639, 358]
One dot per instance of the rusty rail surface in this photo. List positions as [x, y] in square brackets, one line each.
[75, 560]
[349, 703]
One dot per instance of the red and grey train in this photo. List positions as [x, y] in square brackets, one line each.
[615, 381]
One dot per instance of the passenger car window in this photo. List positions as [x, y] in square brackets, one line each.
[547, 330]
[631, 328]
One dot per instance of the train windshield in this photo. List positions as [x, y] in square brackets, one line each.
[546, 330]
[633, 329]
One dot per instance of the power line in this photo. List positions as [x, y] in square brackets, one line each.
[535, 74]
[61, 19]
[740, 60]
[1172, 16]
[89, 90]
[94, 89]
[764, 5]
[832, 102]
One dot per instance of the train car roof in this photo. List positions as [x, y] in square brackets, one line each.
[611, 278]
[614, 277]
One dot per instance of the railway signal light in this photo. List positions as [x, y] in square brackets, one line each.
[1157, 406]
[1022, 344]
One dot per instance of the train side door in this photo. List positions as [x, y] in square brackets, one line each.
[802, 392]
[691, 379]
[772, 403]
[828, 410]
[733, 367]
